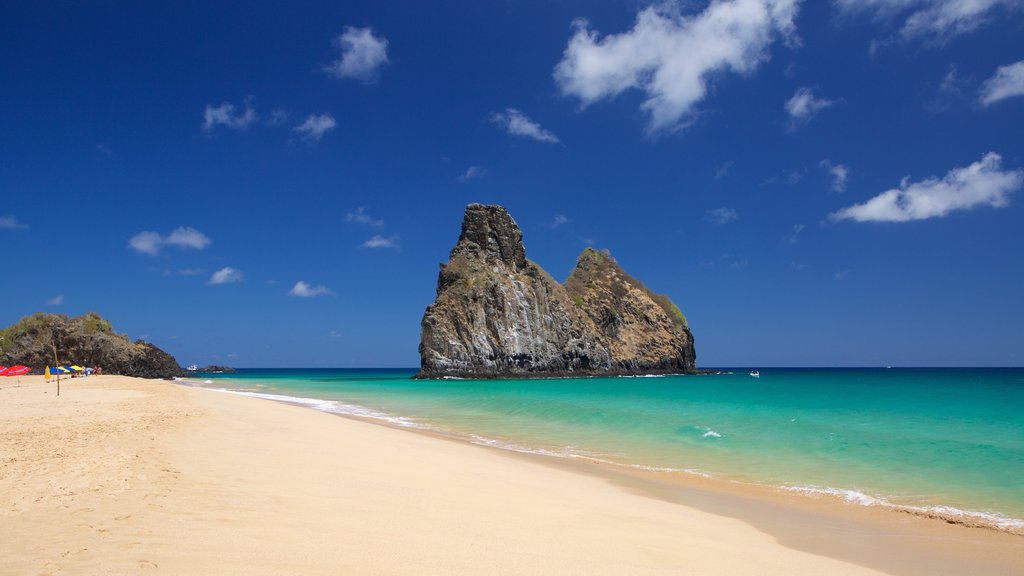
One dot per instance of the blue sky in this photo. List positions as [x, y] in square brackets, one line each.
[832, 183]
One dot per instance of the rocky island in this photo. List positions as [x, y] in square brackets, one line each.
[42, 340]
[499, 315]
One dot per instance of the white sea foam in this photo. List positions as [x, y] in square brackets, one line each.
[333, 407]
[992, 519]
[709, 433]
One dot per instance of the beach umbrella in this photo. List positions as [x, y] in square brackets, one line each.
[77, 368]
[16, 370]
[47, 373]
[62, 370]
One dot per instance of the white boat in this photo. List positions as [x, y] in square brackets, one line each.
[755, 374]
[192, 368]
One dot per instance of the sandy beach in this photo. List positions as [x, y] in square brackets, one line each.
[123, 476]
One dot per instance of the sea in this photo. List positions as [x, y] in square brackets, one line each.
[945, 442]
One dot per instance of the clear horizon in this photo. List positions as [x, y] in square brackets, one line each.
[829, 184]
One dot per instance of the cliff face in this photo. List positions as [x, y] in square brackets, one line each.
[87, 340]
[498, 315]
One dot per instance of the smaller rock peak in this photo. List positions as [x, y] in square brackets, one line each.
[491, 231]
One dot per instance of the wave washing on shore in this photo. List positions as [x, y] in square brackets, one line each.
[938, 443]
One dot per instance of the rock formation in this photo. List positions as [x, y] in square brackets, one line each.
[44, 340]
[499, 315]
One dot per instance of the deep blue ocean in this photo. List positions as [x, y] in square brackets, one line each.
[947, 440]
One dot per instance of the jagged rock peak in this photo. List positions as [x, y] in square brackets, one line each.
[499, 315]
[489, 232]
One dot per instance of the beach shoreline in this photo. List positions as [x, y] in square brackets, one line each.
[127, 475]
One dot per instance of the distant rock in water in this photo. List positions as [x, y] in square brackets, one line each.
[44, 340]
[499, 315]
[213, 368]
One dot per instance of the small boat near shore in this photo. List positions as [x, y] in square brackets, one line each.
[755, 374]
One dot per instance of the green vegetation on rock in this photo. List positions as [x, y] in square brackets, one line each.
[42, 340]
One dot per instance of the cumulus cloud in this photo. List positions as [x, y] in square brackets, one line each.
[11, 223]
[303, 290]
[378, 241]
[982, 183]
[804, 105]
[938, 20]
[473, 173]
[1007, 82]
[362, 55]
[226, 275]
[56, 300]
[147, 242]
[225, 115]
[315, 126]
[518, 124]
[840, 174]
[671, 57]
[361, 217]
[721, 215]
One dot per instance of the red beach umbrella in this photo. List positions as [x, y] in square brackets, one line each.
[2, 370]
[18, 370]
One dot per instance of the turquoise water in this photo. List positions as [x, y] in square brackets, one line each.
[950, 440]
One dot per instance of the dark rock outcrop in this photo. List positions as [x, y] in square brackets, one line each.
[499, 315]
[54, 339]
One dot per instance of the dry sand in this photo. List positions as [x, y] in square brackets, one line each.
[125, 476]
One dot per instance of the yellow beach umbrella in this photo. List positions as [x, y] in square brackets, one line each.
[47, 373]
[77, 368]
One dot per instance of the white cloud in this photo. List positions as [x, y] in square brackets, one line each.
[472, 173]
[303, 290]
[518, 124]
[671, 57]
[794, 236]
[315, 126]
[981, 183]
[183, 237]
[559, 220]
[147, 242]
[11, 223]
[378, 241]
[334, 334]
[56, 300]
[722, 215]
[804, 105]
[362, 55]
[938, 20]
[224, 115]
[842, 274]
[226, 275]
[278, 117]
[361, 217]
[1007, 82]
[840, 175]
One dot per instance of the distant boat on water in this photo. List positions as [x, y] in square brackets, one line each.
[755, 374]
[192, 368]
